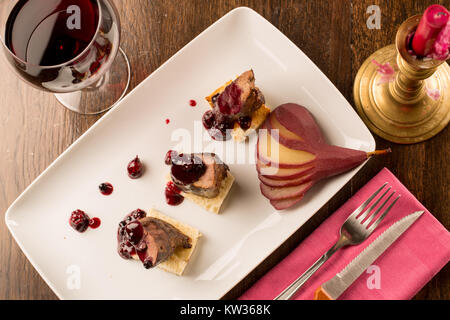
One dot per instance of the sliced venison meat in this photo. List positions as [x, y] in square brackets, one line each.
[209, 183]
[208, 170]
[241, 97]
[159, 241]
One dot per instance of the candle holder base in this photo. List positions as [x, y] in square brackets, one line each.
[395, 121]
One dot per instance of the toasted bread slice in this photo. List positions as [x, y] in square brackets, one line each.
[211, 204]
[258, 117]
[178, 261]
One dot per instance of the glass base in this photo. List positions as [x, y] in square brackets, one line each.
[105, 93]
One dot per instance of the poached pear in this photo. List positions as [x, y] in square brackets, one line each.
[292, 154]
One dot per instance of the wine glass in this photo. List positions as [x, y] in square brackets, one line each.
[67, 47]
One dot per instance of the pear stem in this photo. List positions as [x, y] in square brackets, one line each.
[378, 152]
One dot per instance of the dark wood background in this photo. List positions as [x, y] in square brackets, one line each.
[35, 129]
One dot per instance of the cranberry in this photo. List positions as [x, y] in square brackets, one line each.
[167, 121]
[125, 251]
[135, 168]
[130, 233]
[134, 232]
[122, 224]
[169, 155]
[192, 103]
[245, 122]
[222, 130]
[79, 220]
[138, 214]
[106, 188]
[208, 119]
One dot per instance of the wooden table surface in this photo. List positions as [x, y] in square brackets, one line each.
[35, 129]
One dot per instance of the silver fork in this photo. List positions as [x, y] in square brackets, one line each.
[352, 232]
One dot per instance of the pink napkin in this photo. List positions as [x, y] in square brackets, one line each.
[399, 273]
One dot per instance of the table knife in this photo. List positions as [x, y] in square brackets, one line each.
[334, 287]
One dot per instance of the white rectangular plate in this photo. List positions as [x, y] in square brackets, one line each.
[87, 266]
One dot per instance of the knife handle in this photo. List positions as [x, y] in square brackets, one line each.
[321, 294]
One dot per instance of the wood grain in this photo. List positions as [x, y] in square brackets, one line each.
[35, 129]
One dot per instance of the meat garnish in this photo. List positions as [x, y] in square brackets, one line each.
[159, 241]
[235, 104]
[150, 239]
[241, 97]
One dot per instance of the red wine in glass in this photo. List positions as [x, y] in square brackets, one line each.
[53, 36]
[65, 46]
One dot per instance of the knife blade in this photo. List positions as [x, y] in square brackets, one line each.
[334, 287]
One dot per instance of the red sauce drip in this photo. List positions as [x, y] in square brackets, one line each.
[94, 223]
[106, 188]
[172, 193]
[135, 168]
[192, 103]
[129, 234]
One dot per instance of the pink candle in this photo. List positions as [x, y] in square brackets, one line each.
[433, 20]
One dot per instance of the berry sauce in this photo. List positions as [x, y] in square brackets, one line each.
[106, 188]
[245, 122]
[135, 168]
[173, 194]
[218, 125]
[182, 163]
[229, 101]
[80, 221]
[129, 235]
[192, 103]
[187, 168]
[221, 119]
[94, 223]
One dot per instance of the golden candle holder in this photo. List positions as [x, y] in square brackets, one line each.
[403, 110]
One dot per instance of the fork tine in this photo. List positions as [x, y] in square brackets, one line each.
[367, 222]
[370, 210]
[379, 209]
[377, 222]
[366, 203]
